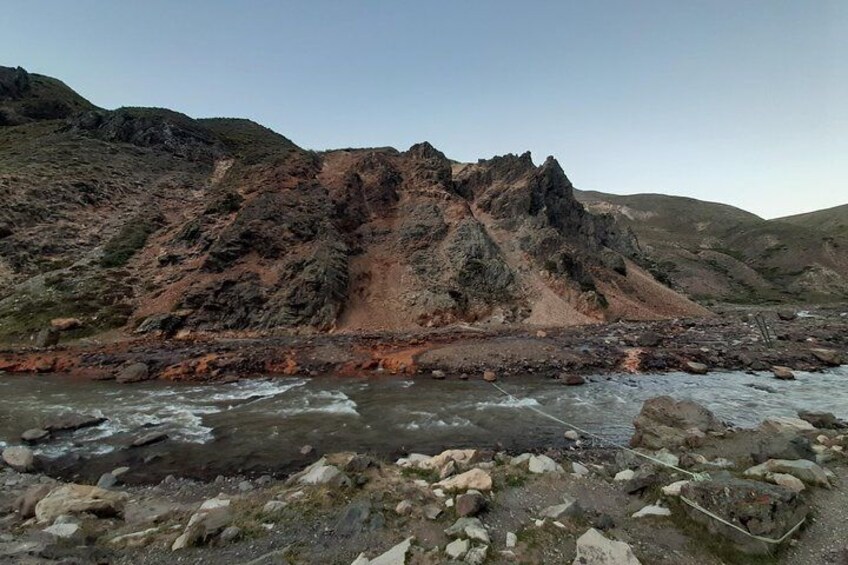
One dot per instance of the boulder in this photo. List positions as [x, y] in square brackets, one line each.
[803, 469]
[19, 458]
[783, 373]
[477, 555]
[273, 507]
[787, 315]
[471, 503]
[695, 368]
[758, 508]
[674, 488]
[404, 507]
[476, 479]
[595, 549]
[782, 445]
[665, 422]
[786, 424]
[72, 421]
[460, 457]
[107, 481]
[25, 504]
[571, 435]
[134, 373]
[79, 499]
[822, 420]
[230, 534]
[829, 357]
[785, 480]
[35, 435]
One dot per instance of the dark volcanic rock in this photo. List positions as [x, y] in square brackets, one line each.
[822, 420]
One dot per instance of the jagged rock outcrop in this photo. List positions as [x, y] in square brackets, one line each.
[234, 227]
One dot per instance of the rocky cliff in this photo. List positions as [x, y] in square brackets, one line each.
[144, 219]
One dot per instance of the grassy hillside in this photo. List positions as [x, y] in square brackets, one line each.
[831, 221]
[715, 252]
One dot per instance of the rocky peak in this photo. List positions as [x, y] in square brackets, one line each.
[425, 150]
[14, 83]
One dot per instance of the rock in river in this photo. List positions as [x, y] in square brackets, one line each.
[72, 421]
[134, 373]
[665, 422]
[19, 458]
[35, 435]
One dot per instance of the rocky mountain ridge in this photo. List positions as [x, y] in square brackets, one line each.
[146, 218]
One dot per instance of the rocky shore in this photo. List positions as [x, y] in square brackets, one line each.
[583, 504]
[731, 340]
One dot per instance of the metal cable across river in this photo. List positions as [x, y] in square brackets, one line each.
[260, 425]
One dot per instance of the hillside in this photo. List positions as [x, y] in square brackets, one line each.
[716, 252]
[831, 221]
[146, 219]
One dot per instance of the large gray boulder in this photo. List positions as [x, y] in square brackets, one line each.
[758, 508]
[666, 422]
[19, 458]
[594, 549]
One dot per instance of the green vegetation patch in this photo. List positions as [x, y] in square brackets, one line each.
[129, 240]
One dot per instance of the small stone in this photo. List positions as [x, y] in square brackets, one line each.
[404, 507]
[652, 510]
[594, 549]
[471, 528]
[696, 368]
[568, 509]
[511, 540]
[19, 458]
[273, 507]
[476, 479]
[489, 376]
[579, 469]
[786, 480]
[65, 324]
[117, 472]
[572, 435]
[35, 435]
[572, 380]
[432, 512]
[477, 555]
[149, 439]
[107, 481]
[135, 373]
[306, 450]
[543, 464]
[245, 486]
[64, 531]
[783, 373]
[438, 374]
[457, 548]
[674, 488]
[624, 475]
[230, 534]
[471, 503]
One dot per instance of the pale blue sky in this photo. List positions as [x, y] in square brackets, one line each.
[744, 102]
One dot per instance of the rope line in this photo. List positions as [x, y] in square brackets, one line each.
[695, 476]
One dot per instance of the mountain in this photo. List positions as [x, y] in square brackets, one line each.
[144, 219]
[715, 252]
[831, 221]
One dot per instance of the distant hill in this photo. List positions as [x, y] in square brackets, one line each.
[715, 252]
[831, 221]
[141, 219]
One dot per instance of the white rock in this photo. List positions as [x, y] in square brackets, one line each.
[568, 509]
[803, 469]
[785, 423]
[476, 479]
[652, 510]
[404, 507]
[63, 531]
[572, 435]
[472, 528]
[457, 548]
[786, 480]
[667, 457]
[543, 464]
[594, 549]
[511, 539]
[674, 488]
[449, 503]
[477, 555]
[19, 458]
[520, 459]
[624, 475]
[579, 469]
[273, 506]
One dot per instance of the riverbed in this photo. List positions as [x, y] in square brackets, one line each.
[262, 424]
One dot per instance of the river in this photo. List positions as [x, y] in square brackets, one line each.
[260, 425]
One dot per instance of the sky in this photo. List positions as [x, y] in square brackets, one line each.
[736, 101]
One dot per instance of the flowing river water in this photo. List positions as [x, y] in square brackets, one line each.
[260, 425]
